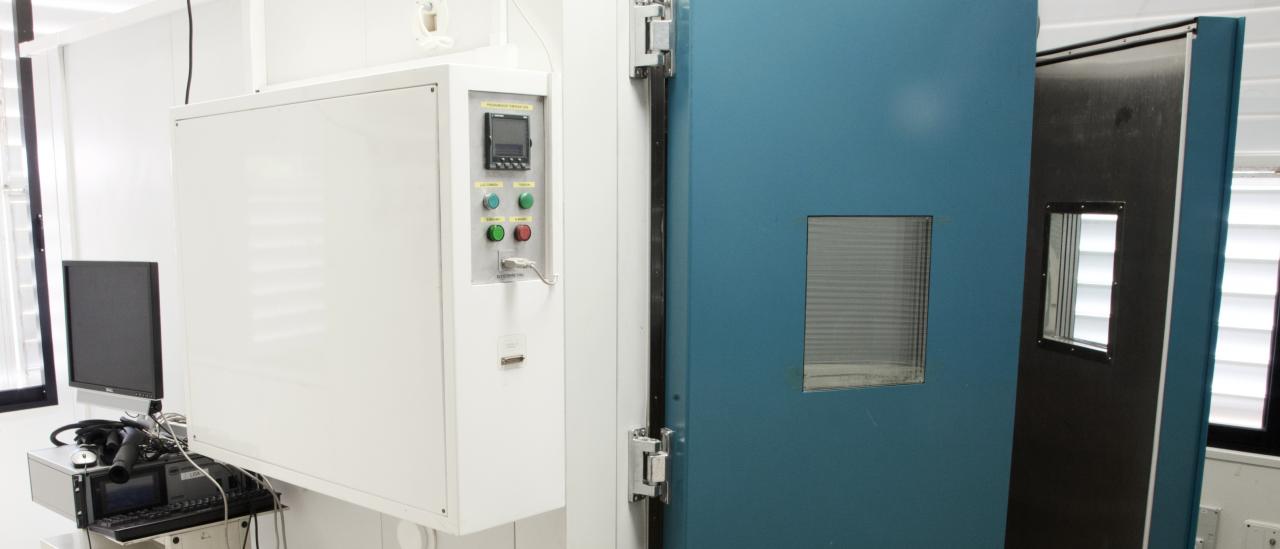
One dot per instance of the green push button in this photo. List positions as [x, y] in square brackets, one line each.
[491, 201]
[526, 201]
[496, 233]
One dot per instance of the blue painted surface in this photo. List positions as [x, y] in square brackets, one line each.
[1209, 152]
[785, 110]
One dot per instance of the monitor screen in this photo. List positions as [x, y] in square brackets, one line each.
[113, 327]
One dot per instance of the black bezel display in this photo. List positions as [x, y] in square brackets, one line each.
[156, 390]
[496, 158]
[103, 508]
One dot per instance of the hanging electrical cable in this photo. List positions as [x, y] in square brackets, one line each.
[191, 51]
[551, 62]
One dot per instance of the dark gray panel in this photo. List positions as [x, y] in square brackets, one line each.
[1107, 129]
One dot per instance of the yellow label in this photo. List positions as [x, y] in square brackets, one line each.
[505, 106]
[492, 219]
[524, 184]
[488, 184]
[526, 219]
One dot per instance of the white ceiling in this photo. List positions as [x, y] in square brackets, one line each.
[52, 16]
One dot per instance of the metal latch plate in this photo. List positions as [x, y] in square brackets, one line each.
[652, 37]
[649, 465]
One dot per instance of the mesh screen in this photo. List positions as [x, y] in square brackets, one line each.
[866, 301]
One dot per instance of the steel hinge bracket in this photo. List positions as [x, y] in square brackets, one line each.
[650, 465]
[652, 37]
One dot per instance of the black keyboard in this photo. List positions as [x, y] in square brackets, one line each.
[155, 521]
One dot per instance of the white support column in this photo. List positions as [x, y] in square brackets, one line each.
[255, 29]
[498, 36]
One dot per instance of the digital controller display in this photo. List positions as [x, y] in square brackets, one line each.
[510, 135]
[508, 140]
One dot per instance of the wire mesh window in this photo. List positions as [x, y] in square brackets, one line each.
[866, 301]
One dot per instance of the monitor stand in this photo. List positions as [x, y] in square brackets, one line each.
[143, 406]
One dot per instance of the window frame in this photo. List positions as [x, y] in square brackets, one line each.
[1267, 439]
[46, 394]
[1087, 207]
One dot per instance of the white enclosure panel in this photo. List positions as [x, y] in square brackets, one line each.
[325, 266]
[326, 239]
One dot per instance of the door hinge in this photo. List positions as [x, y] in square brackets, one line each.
[650, 465]
[652, 37]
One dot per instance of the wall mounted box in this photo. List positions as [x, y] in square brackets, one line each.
[348, 326]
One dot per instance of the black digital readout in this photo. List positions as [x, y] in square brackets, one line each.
[139, 492]
[510, 136]
[508, 141]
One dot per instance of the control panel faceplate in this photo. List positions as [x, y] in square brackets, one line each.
[508, 193]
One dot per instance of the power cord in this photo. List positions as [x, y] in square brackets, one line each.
[84, 479]
[284, 529]
[522, 263]
[278, 515]
[551, 62]
[163, 421]
[191, 51]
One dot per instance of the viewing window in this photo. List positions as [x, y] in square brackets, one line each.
[1079, 276]
[866, 301]
[1244, 414]
[26, 350]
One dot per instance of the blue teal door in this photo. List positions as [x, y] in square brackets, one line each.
[847, 237]
[803, 134]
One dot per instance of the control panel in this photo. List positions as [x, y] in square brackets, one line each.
[508, 186]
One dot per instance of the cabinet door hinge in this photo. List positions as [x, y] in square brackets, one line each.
[652, 37]
[650, 465]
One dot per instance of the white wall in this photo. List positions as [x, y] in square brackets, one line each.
[1245, 487]
[111, 163]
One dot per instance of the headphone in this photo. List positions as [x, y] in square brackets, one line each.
[99, 439]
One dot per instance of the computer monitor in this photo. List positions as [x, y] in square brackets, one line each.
[113, 327]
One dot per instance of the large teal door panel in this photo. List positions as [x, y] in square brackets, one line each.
[781, 111]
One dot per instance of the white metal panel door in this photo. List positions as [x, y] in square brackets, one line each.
[318, 255]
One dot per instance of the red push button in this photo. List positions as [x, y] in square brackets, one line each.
[523, 233]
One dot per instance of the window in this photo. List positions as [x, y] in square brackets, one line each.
[26, 364]
[1243, 415]
[1079, 275]
[866, 301]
